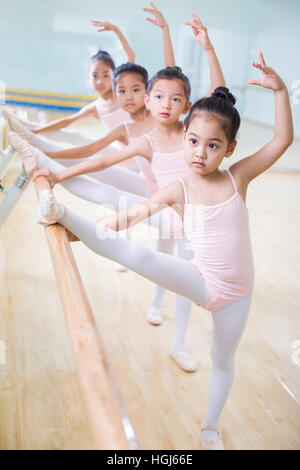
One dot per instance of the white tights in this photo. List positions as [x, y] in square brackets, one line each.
[61, 135]
[121, 178]
[183, 278]
[128, 183]
[182, 305]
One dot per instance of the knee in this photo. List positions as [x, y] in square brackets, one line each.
[221, 360]
[139, 256]
[109, 196]
[165, 246]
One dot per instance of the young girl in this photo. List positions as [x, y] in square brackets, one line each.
[121, 134]
[130, 84]
[168, 98]
[212, 205]
[106, 108]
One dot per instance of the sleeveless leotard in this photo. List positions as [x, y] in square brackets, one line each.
[167, 167]
[144, 166]
[112, 119]
[220, 238]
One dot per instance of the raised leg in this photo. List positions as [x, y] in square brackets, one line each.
[172, 273]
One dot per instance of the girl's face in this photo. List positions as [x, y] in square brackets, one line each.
[130, 92]
[206, 144]
[100, 77]
[167, 101]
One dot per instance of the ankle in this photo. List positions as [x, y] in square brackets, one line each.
[155, 308]
[178, 348]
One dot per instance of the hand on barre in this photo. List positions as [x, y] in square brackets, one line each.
[49, 175]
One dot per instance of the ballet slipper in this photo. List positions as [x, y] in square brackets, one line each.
[19, 129]
[154, 316]
[212, 445]
[184, 360]
[48, 211]
[27, 152]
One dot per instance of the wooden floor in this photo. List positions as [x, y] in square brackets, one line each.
[40, 404]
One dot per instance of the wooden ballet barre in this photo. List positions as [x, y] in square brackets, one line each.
[98, 389]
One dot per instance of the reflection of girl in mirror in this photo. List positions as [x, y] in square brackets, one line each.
[106, 108]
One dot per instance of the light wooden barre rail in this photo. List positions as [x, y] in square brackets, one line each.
[108, 422]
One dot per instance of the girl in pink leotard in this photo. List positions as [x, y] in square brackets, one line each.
[106, 108]
[211, 203]
[129, 96]
[169, 92]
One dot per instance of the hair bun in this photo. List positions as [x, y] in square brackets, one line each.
[101, 51]
[174, 69]
[224, 93]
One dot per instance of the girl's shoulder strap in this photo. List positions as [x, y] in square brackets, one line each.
[150, 141]
[125, 124]
[232, 179]
[186, 197]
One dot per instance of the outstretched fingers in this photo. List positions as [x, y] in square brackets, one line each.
[262, 60]
[196, 24]
[254, 82]
[151, 20]
[193, 26]
[197, 19]
[153, 10]
[257, 66]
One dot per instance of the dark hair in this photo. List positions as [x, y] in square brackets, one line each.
[170, 73]
[221, 102]
[103, 56]
[132, 68]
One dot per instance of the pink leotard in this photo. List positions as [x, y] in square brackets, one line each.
[112, 119]
[167, 167]
[220, 237]
[145, 167]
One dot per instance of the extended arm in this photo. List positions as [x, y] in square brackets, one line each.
[117, 134]
[106, 26]
[169, 196]
[252, 166]
[86, 111]
[160, 21]
[215, 71]
[139, 147]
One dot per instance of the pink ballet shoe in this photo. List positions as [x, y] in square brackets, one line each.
[212, 445]
[184, 360]
[26, 151]
[19, 129]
